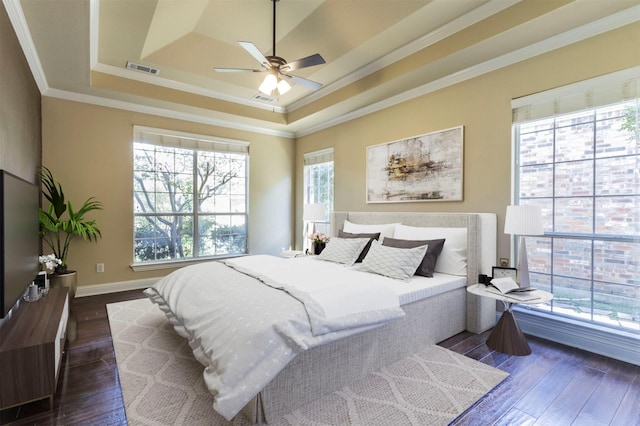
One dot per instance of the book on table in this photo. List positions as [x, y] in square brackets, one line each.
[509, 288]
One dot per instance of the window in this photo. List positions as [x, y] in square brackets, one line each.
[189, 196]
[318, 186]
[583, 169]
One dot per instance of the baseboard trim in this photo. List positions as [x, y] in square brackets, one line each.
[115, 287]
[617, 344]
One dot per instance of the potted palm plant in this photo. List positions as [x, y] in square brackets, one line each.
[60, 223]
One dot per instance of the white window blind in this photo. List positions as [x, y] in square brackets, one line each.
[189, 141]
[611, 88]
[318, 157]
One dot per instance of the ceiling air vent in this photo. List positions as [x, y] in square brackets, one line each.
[263, 98]
[142, 68]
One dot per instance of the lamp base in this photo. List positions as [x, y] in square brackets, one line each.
[522, 275]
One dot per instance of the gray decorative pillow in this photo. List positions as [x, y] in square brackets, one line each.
[372, 236]
[429, 262]
[398, 263]
[343, 250]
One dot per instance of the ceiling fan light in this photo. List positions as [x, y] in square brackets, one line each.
[283, 87]
[270, 82]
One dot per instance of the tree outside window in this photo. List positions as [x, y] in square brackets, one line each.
[188, 203]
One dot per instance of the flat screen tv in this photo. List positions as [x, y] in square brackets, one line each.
[19, 238]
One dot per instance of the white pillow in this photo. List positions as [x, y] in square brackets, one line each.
[385, 230]
[343, 250]
[453, 258]
[393, 262]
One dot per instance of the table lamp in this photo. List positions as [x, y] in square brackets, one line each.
[312, 213]
[523, 220]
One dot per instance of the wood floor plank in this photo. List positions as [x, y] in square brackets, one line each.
[610, 393]
[628, 411]
[567, 405]
[515, 417]
[586, 420]
[494, 359]
[536, 401]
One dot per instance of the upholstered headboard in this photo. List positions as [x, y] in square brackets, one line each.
[481, 248]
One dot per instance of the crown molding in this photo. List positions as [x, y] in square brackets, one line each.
[21, 28]
[575, 35]
[163, 112]
[182, 87]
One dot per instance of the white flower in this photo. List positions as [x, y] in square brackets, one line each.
[49, 261]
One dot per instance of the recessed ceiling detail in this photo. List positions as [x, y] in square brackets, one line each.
[378, 52]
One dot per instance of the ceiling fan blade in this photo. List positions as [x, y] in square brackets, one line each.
[256, 53]
[303, 81]
[236, 70]
[309, 61]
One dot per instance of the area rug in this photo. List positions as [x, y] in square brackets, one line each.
[162, 383]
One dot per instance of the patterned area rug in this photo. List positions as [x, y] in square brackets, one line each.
[162, 383]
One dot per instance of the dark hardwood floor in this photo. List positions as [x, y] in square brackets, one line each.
[555, 385]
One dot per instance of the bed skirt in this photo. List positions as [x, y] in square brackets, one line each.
[325, 369]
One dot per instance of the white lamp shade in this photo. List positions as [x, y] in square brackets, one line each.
[523, 220]
[270, 82]
[283, 87]
[314, 212]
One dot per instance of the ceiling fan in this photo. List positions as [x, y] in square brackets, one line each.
[278, 68]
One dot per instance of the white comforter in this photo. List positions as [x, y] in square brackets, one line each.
[245, 332]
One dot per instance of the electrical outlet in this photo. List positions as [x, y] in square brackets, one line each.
[99, 267]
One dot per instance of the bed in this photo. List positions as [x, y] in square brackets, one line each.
[428, 316]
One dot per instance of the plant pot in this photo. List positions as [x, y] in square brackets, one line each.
[318, 247]
[67, 279]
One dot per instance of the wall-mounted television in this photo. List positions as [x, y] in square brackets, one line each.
[19, 238]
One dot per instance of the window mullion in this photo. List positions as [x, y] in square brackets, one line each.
[196, 203]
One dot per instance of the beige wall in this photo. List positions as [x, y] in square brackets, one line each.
[20, 136]
[483, 106]
[89, 150]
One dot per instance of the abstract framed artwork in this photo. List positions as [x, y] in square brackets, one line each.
[420, 168]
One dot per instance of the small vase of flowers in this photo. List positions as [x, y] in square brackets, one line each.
[319, 241]
[49, 263]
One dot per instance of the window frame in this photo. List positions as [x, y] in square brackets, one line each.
[553, 235]
[198, 146]
[311, 159]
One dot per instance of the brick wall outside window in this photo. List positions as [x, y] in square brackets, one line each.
[583, 170]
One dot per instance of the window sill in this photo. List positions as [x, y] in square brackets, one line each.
[175, 264]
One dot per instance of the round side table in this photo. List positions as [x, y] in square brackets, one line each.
[506, 336]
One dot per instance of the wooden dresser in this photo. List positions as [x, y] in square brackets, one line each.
[31, 346]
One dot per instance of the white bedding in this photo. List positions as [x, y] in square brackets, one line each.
[418, 287]
[245, 332]
[335, 297]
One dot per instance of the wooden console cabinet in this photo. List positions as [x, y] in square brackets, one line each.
[31, 346]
